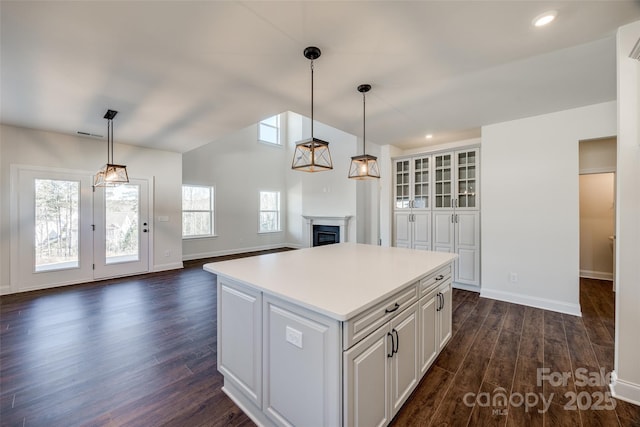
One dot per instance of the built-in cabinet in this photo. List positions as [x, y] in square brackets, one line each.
[412, 216]
[437, 207]
[287, 365]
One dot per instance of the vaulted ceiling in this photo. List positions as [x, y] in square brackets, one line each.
[186, 73]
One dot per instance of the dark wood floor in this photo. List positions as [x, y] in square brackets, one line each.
[141, 352]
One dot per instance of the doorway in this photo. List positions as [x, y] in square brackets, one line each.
[597, 195]
[67, 233]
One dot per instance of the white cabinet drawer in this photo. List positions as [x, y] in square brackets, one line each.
[362, 325]
[432, 281]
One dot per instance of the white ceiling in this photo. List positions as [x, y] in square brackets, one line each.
[183, 74]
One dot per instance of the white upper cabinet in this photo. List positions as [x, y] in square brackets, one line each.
[456, 180]
[412, 183]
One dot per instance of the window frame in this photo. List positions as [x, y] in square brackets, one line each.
[278, 212]
[277, 127]
[211, 211]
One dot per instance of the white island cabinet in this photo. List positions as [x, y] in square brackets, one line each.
[336, 335]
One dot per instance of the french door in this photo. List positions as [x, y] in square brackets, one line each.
[121, 236]
[64, 232]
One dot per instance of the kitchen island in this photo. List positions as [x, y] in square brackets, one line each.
[336, 335]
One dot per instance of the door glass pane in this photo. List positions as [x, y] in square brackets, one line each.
[56, 228]
[122, 217]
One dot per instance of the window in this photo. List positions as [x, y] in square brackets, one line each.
[269, 130]
[57, 216]
[197, 211]
[269, 211]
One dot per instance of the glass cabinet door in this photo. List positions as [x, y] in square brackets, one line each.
[421, 182]
[442, 181]
[466, 162]
[402, 187]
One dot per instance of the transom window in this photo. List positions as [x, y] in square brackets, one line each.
[269, 130]
[197, 211]
[269, 211]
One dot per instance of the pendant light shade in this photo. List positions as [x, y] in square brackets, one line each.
[364, 166]
[312, 155]
[110, 174]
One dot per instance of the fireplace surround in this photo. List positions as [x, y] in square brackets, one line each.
[340, 224]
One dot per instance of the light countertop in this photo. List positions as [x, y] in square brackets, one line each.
[339, 280]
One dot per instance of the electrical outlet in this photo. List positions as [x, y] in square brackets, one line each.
[513, 277]
[294, 336]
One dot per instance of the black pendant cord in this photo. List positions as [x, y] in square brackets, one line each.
[364, 125]
[312, 99]
[109, 142]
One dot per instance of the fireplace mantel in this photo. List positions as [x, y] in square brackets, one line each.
[340, 221]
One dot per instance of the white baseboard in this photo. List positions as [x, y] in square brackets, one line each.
[168, 266]
[624, 390]
[5, 289]
[546, 304]
[224, 252]
[599, 275]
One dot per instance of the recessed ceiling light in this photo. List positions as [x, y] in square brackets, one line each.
[428, 136]
[545, 18]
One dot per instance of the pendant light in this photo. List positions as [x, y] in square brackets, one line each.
[111, 174]
[312, 155]
[366, 165]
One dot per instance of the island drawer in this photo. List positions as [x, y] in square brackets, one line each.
[435, 279]
[365, 323]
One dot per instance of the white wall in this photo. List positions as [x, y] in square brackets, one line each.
[598, 155]
[597, 223]
[627, 369]
[238, 166]
[30, 147]
[530, 208]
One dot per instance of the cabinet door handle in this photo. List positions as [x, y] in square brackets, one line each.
[452, 218]
[456, 218]
[395, 350]
[440, 277]
[441, 301]
[389, 334]
[391, 310]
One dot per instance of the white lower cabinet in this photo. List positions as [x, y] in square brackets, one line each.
[413, 230]
[301, 358]
[443, 324]
[240, 338]
[381, 371]
[435, 319]
[459, 232]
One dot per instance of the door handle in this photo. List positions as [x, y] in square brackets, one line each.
[395, 350]
[389, 334]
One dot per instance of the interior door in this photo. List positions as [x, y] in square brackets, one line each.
[121, 229]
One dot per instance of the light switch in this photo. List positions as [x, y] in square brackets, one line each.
[294, 337]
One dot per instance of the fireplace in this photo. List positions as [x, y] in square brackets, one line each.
[325, 234]
[333, 229]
